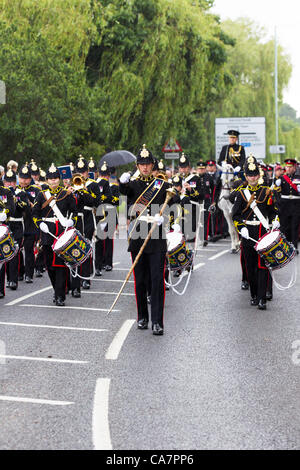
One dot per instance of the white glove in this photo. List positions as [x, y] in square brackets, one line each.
[176, 228]
[298, 187]
[278, 182]
[3, 217]
[237, 169]
[125, 178]
[158, 219]
[44, 227]
[245, 233]
[68, 223]
[275, 224]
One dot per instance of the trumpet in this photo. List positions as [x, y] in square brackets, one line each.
[77, 182]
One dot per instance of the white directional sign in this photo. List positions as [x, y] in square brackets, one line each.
[277, 148]
[2, 92]
[252, 134]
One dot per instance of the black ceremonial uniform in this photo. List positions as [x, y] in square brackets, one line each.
[102, 220]
[56, 268]
[6, 204]
[233, 154]
[290, 207]
[244, 216]
[112, 216]
[154, 255]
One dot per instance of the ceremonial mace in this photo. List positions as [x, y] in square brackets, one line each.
[170, 194]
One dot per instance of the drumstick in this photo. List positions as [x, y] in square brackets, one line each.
[48, 231]
[249, 238]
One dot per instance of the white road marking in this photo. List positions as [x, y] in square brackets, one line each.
[121, 269]
[52, 326]
[116, 345]
[116, 264]
[101, 433]
[69, 308]
[24, 297]
[218, 255]
[43, 359]
[111, 280]
[36, 400]
[106, 293]
[198, 266]
[205, 249]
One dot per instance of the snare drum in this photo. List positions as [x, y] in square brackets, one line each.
[8, 246]
[274, 248]
[72, 247]
[178, 254]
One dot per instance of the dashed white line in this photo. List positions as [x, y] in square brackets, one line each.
[69, 307]
[111, 280]
[24, 297]
[198, 266]
[52, 326]
[118, 341]
[104, 293]
[42, 359]
[218, 255]
[36, 401]
[100, 427]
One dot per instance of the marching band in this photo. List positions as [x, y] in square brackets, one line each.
[66, 225]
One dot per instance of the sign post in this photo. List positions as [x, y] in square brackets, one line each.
[171, 150]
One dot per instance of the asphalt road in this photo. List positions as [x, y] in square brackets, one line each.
[224, 375]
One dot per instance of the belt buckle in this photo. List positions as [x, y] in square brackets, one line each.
[290, 196]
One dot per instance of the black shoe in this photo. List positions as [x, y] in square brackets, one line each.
[205, 243]
[28, 280]
[262, 305]
[167, 288]
[60, 302]
[254, 301]
[143, 324]
[86, 285]
[245, 285]
[21, 277]
[148, 299]
[76, 293]
[7, 284]
[269, 296]
[2, 295]
[38, 273]
[98, 272]
[108, 268]
[177, 273]
[157, 329]
[13, 285]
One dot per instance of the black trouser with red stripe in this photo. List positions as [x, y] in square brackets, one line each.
[13, 264]
[257, 273]
[57, 272]
[155, 263]
[2, 278]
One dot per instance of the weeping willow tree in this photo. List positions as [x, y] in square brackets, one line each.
[155, 63]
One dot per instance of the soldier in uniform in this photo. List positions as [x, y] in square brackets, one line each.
[149, 193]
[31, 232]
[233, 153]
[16, 225]
[290, 201]
[113, 218]
[47, 221]
[90, 227]
[248, 221]
[7, 208]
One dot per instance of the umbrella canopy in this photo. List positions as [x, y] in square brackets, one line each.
[117, 158]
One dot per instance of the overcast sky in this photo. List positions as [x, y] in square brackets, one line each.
[269, 13]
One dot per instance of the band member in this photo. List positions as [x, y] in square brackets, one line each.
[149, 193]
[90, 227]
[112, 215]
[54, 211]
[31, 233]
[290, 202]
[103, 222]
[7, 208]
[253, 209]
[233, 153]
[16, 225]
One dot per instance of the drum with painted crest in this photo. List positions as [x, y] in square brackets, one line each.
[179, 256]
[72, 247]
[8, 246]
[275, 249]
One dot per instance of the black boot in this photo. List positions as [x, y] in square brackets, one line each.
[262, 305]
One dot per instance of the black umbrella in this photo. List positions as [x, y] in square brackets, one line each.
[117, 158]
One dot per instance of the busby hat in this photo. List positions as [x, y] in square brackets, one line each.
[25, 171]
[184, 161]
[42, 175]
[233, 133]
[104, 169]
[161, 166]
[177, 180]
[81, 165]
[92, 165]
[144, 156]
[52, 172]
[290, 162]
[10, 175]
[251, 167]
[34, 168]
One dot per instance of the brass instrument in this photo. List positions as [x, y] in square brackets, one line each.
[162, 176]
[77, 182]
